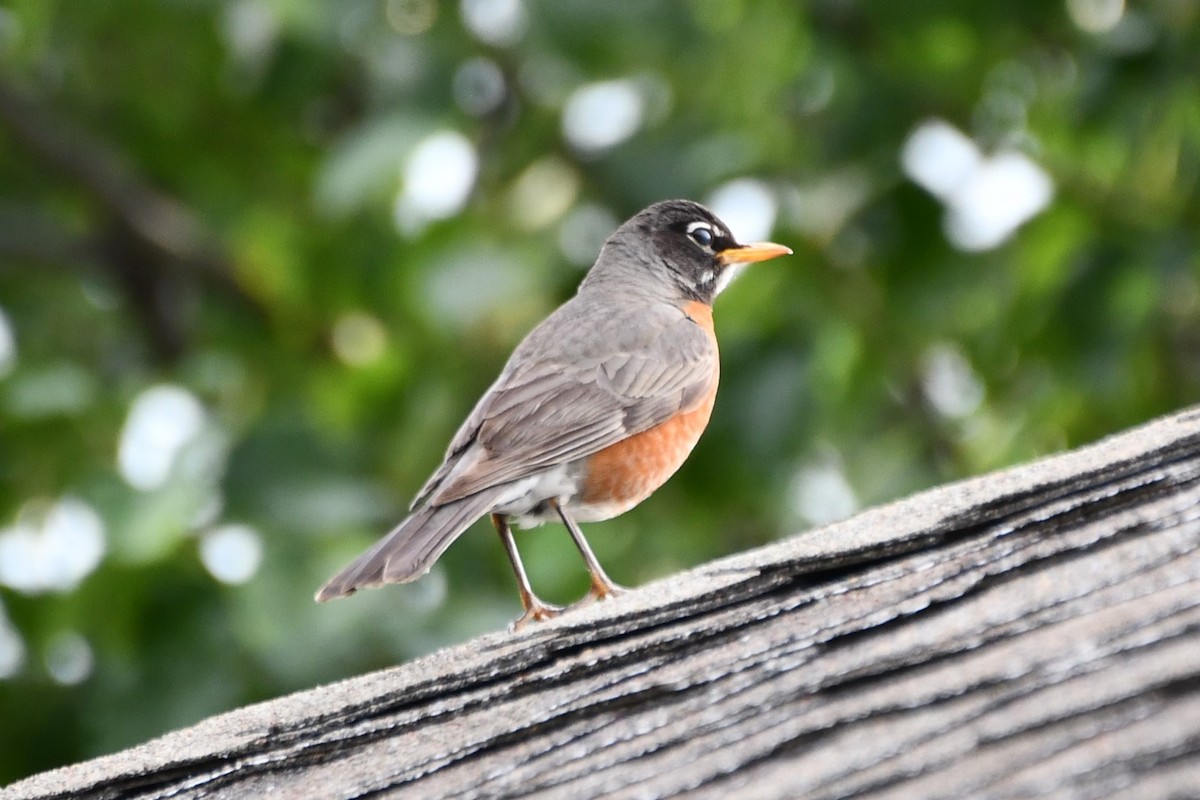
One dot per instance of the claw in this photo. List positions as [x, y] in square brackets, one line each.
[602, 589]
[535, 611]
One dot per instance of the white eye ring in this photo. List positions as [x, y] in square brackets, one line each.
[702, 234]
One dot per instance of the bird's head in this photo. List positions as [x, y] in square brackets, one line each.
[679, 246]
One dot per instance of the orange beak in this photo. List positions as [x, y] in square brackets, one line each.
[749, 253]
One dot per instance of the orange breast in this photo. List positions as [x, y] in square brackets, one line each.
[626, 473]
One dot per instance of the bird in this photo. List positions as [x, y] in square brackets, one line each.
[595, 409]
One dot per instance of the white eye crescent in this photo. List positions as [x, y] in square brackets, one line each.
[702, 234]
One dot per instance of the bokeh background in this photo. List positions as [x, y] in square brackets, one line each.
[258, 259]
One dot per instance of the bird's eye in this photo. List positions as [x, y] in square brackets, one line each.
[702, 234]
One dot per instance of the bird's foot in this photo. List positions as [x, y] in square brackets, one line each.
[602, 589]
[535, 611]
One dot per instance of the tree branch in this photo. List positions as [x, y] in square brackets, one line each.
[149, 239]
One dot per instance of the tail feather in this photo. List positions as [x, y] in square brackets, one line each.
[410, 549]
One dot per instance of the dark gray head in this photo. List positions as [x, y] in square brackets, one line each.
[676, 247]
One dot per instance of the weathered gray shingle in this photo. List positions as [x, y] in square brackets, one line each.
[1031, 632]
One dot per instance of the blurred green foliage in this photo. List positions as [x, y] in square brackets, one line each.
[212, 197]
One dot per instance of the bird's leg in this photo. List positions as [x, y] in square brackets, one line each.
[535, 609]
[602, 585]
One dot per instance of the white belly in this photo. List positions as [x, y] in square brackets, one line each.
[525, 500]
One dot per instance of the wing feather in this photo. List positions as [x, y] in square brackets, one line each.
[603, 378]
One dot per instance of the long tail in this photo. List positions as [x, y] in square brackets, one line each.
[410, 549]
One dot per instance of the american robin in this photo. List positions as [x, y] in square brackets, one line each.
[595, 409]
